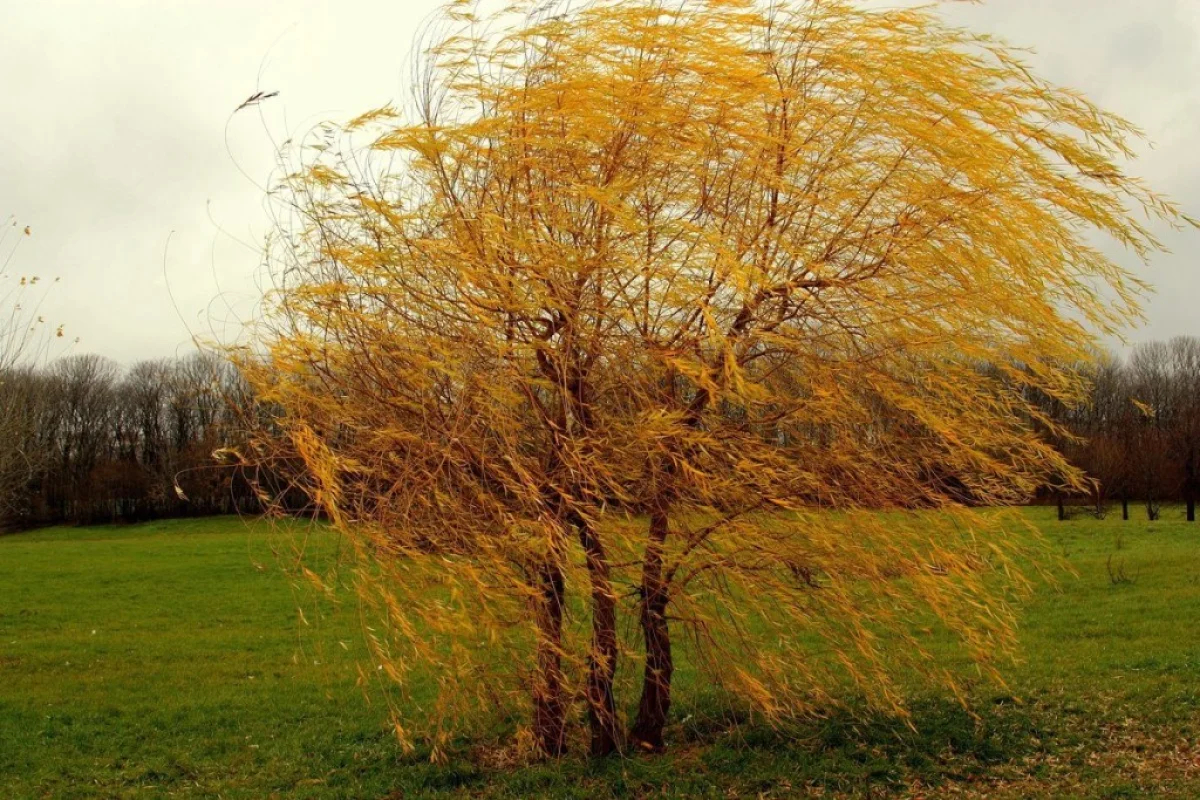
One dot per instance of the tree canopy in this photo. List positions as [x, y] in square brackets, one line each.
[696, 311]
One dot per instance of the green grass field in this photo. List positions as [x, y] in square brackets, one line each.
[169, 660]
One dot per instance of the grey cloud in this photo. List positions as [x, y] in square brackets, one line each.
[113, 123]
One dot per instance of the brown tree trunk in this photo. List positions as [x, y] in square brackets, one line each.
[602, 663]
[549, 709]
[1125, 508]
[1189, 485]
[647, 730]
[1062, 512]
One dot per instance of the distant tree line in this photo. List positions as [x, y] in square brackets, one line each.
[89, 442]
[1139, 437]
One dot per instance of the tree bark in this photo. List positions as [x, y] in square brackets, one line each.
[1125, 508]
[549, 709]
[655, 703]
[1191, 508]
[1062, 512]
[602, 662]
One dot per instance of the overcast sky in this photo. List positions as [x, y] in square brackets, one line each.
[117, 131]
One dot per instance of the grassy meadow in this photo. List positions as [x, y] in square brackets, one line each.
[170, 660]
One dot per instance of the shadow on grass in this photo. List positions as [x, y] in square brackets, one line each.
[859, 754]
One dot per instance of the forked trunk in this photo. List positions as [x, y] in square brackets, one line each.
[647, 730]
[602, 663]
[549, 710]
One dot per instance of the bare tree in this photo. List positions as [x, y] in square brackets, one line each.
[1154, 395]
[24, 338]
[1184, 432]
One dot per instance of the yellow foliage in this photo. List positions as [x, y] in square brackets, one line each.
[698, 264]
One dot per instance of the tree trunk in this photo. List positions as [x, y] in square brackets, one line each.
[1062, 512]
[549, 710]
[602, 663]
[1189, 484]
[1125, 508]
[647, 730]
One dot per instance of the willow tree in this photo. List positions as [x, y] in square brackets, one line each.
[700, 310]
